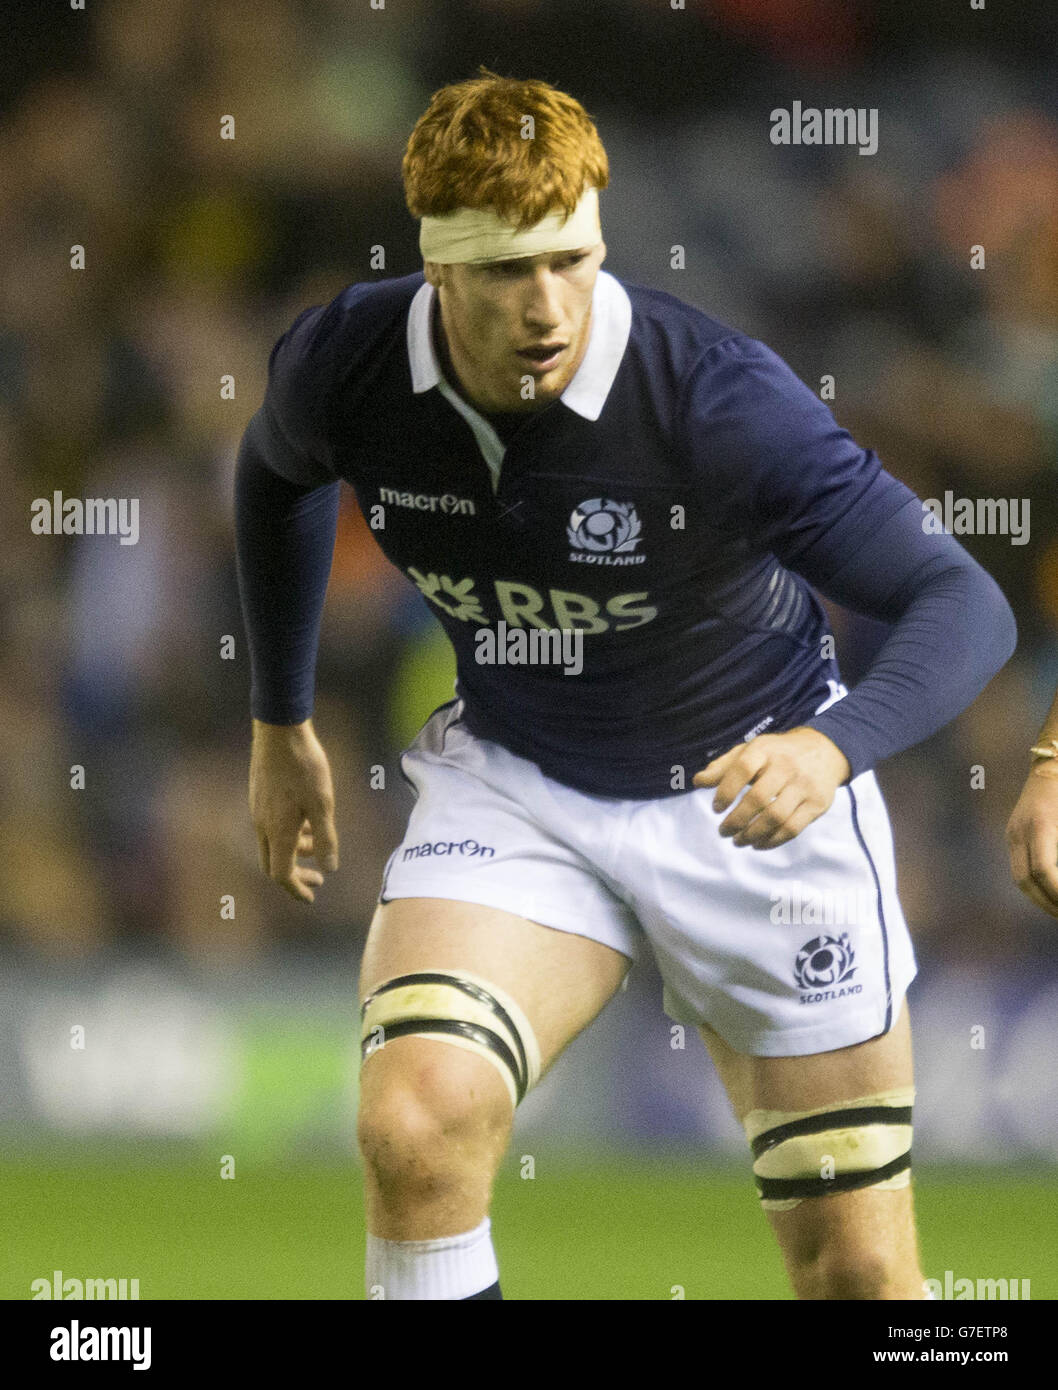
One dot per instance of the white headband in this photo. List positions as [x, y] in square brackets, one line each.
[469, 235]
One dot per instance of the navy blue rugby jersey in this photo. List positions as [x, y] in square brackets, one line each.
[676, 505]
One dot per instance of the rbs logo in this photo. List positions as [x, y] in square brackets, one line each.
[521, 605]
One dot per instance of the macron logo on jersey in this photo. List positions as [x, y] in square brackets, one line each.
[603, 532]
[449, 503]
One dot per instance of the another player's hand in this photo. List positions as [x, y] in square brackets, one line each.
[292, 805]
[792, 779]
[1032, 837]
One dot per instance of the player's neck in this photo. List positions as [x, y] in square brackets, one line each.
[444, 357]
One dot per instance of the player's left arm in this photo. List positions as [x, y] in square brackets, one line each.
[799, 485]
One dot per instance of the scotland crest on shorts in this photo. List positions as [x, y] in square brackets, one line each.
[600, 529]
[825, 960]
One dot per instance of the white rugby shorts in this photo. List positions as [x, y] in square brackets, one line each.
[784, 952]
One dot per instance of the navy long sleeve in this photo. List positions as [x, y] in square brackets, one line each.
[284, 534]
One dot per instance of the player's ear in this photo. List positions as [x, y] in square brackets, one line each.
[432, 271]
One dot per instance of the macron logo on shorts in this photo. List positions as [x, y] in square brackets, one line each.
[466, 847]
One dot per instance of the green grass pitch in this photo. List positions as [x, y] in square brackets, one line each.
[604, 1229]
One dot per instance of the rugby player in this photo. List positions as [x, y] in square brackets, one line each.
[539, 444]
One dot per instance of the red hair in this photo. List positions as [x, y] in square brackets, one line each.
[469, 149]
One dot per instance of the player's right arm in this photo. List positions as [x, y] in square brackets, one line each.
[286, 514]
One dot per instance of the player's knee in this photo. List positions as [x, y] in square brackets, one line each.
[428, 1121]
[447, 1057]
[838, 1271]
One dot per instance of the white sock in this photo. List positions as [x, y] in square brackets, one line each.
[450, 1267]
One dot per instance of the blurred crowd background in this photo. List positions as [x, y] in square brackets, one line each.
[199, 253]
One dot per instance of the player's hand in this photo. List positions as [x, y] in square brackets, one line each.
[1032, 837]
[292, 805]
[792, 779]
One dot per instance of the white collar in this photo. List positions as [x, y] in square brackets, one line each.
[611, 324]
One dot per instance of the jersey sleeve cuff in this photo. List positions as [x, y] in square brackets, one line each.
[842, 732]
[279, 710]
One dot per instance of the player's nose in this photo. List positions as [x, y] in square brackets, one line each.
[542, 309]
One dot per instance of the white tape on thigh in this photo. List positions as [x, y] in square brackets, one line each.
[456, 1007]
